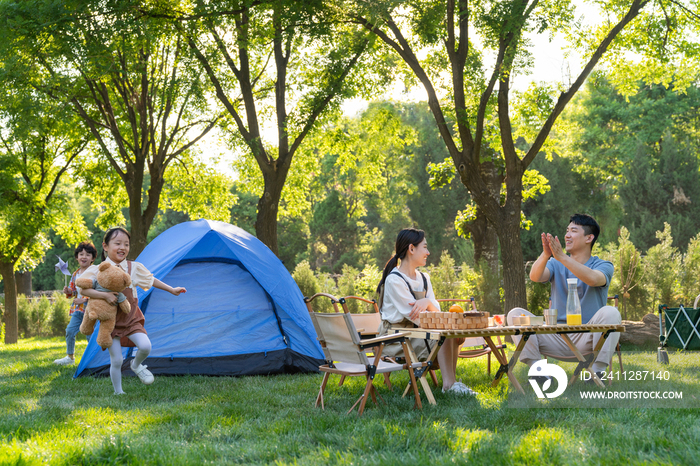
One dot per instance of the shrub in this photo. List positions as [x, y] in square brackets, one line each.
[488, 296]
[445, 281]
[40, 322]
[538, 295]
[690, 272]
[347, 286]
[59, 313]
[306, 281]
[662, 264]
[326, 284]
[24, 311]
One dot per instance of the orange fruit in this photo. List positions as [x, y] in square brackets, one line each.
[456, 308]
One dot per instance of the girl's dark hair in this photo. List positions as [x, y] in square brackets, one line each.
[88, 247]
[111, 233]
[406, 237]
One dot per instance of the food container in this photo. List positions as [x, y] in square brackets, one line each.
[498, 320]
[524, 320]
[516, 321]
[536, 320]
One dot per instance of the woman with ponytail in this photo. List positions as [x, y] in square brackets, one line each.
[405, 292]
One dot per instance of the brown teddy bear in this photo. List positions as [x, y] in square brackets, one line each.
[110, 279]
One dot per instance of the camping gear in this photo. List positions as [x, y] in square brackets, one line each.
[678, 328]
[243, 314]
[345, 356]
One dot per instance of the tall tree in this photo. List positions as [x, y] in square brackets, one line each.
[442, 29]
[39, 139]
[641, 149]
[131, 80]
[277, 62]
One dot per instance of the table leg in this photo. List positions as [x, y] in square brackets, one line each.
[421, 373]
[507, 366]
[583, 361]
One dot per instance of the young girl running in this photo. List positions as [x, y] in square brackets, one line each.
[129, 330]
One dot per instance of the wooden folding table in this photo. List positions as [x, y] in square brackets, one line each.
[507, 365]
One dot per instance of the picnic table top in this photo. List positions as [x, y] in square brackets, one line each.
[512, 330]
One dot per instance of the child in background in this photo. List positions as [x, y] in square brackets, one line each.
[129, 329]
[85, 254]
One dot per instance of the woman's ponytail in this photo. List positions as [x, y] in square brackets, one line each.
[391, 263]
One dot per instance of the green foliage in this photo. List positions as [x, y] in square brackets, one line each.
[198, 191]
[42, 316]
[59, 313]
[662, 266]
[346, 287]
[689, 275]
[305, 278]
[445, 281]
[538, 295]
[628, 268]
[488, 296]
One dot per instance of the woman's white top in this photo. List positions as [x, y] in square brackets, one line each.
[140, 276]
[395, 307]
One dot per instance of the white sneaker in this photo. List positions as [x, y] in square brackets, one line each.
[459, 388]
[64, 361]
[144, 374]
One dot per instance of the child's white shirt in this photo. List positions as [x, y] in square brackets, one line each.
[140, 275]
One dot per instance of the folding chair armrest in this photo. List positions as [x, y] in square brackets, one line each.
[393, 338]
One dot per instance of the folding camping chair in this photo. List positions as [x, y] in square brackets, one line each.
[345, 355]
[679, 329]
[475, 347]
[367, 325]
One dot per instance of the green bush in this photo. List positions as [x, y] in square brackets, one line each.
[662, 265]
[347, 287]
[59, 313]
[40, 322]
[538, 295]
[326, 284]
[305, 278]
[24, 311]
[445, 281]
[488, 289]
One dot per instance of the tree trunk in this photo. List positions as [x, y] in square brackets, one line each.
[268, 206]
[513, 265]
[23, 282]
[8, 277]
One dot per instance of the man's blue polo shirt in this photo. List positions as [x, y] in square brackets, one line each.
[592, 298]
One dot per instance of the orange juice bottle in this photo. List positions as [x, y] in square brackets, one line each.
[573, 304]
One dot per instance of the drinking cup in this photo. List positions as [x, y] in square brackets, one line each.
[550, 316]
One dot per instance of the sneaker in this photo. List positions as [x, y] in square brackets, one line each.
[143, 373]
[65, 361]
[459, 388]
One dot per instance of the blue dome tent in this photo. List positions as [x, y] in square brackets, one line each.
[243, 314]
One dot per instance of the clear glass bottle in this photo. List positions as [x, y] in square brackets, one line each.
[573, 304]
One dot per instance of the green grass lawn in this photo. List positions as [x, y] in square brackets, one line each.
[46, 417]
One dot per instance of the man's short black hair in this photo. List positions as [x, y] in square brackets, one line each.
[590, 226]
